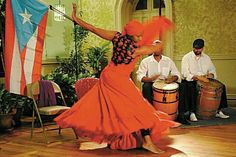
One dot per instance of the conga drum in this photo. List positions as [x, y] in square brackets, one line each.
[209, 96]
[166, 98]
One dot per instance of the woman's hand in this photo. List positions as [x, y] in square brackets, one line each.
[150, 49]
[74, 12]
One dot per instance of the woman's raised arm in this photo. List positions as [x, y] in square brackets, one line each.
[146, 50]
[105, 34]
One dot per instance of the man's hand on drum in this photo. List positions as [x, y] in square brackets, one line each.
[201, 78]
[195, 78]
[171, 79]
[210, 75]
[155, 77]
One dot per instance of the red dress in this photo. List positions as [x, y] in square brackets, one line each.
[114, 111]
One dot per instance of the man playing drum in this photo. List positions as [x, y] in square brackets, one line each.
[197, 66]
[158, 67]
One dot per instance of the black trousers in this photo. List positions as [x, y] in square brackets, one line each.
[148, 92]
[190, 96]
[191, 93]
[183, 105]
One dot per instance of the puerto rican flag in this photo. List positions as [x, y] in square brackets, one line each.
[24, 37]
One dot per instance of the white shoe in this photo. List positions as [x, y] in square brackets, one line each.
[220, 114]
[193, 117]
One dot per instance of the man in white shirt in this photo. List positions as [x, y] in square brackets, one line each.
[155, 67]
[158, 66]
[196, 64]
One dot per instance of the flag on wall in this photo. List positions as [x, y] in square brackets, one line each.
[25, 31]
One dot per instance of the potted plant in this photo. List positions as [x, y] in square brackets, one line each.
[97, 58]
[10, 109]
[6, 110]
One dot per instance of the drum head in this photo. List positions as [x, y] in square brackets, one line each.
[214, 84]
[160, 84]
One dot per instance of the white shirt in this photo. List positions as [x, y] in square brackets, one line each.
[192, 65]
[149, 67]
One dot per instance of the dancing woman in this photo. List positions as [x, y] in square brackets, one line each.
[114, 110]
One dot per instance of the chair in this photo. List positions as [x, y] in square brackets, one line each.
[82, 86]
[33, 92]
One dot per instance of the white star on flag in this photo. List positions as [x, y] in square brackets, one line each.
[26, 17]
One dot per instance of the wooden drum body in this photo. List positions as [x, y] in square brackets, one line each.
[165, 98]
[208, 100]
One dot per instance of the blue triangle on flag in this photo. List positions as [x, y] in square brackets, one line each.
[27, 16]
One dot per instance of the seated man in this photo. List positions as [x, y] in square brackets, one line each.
[158, 66]
[195, 66]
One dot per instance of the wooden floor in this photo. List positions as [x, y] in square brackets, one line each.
[211, 141]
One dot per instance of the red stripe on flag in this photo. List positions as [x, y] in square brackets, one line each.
[9, 41]
[39, 49]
